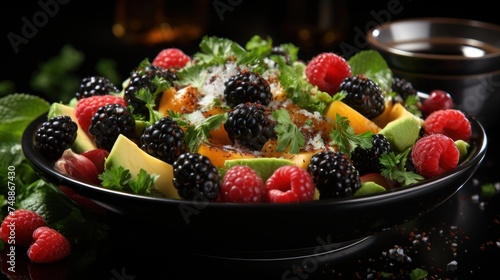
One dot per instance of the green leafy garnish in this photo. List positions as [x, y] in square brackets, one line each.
[411, 104]
[299, 90]
[418, 274]
[149, 98]
[217, 51]
[346, 139]
[488, 190]
[119, 178]
[197, 133]
[16, 112]
[289, 135]
[193, 75]
[371, 64]
[393, 168]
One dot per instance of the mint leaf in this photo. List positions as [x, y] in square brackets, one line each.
[372, 64]
[16, 112]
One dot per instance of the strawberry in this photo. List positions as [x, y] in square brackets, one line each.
[450, 122]
[49, 246]
[242, 184]
[290, 183]
[87, 107]
[434, 154]
[171, 58]
[18, 226]
[326, 71]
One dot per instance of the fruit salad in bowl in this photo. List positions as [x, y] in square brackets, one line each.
[253, 134]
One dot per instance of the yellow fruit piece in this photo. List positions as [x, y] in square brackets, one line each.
[392, 112]
[360, 123]
[300, 159]
[218, 154]
[126, 153]
[183, 101]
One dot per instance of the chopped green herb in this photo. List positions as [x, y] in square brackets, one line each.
[119, 178]
[289, 135]
[346, 139]
[488, 190]
[195, 134]
[393, 168]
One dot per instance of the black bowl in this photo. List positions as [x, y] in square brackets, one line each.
[260, 231]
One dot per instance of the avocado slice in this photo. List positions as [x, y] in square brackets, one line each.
[127, 154]
[402, 133]
[83, 141]
[265, 167]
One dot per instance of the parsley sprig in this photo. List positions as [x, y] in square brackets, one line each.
[119, 178]
[289, 135]
[346, 139]
[393, 167]
[197, 133]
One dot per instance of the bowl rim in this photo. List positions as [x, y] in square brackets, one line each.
[372, 39]
[41, 164]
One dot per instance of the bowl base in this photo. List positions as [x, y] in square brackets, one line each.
[320, 253]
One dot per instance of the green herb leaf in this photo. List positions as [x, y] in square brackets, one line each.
[217, 51]
[299, 90]
[197, 133]
[16, 112]
[144, 182]
[115, 178]
[346, 139]
[418, 274]
[191, 75]
[289, 135]
[393, 168]
[119, 178]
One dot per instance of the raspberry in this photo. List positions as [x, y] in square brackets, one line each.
[19, 225]
[450, 122]
[438, 100]
[326, 71]
[242, 184]
[49, 246]
[87, 107]
[171, 58]
[289, 183]
[434, 154]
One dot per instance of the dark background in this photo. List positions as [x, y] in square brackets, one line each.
[86, 25]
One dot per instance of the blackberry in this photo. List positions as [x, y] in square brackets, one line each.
[110, 121]
[334, 174]
[195, 177]
[403, 88]
[55, 135]
[247, 86]
[249, 125]
[367, 160]
[95, 85]
[364, 95]
[144, 78]
[164, 140]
